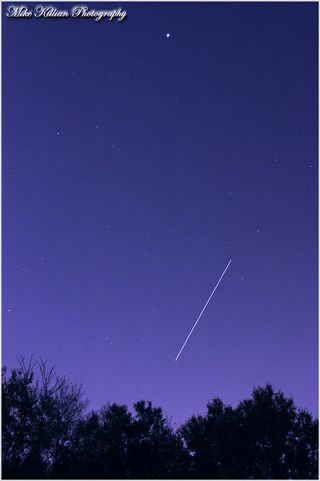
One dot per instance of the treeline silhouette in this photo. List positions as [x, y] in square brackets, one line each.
[47, 434]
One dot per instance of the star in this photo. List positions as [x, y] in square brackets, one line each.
[168, 35]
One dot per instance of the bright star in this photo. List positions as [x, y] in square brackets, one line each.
[168, 35]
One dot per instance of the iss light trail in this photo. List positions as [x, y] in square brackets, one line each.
[204, 308]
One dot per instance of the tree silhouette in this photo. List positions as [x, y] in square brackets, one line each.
[101, 443]
[19, 417]
[155, 451]
[40, 414]
[266, 422]
[265, 437]
[46, 434]
[213, 442]
[114, 444]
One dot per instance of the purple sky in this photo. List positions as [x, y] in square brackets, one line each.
[135, 165]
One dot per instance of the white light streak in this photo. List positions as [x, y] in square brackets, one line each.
[204, 308]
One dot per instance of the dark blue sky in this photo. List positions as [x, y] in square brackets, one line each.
[134, 167]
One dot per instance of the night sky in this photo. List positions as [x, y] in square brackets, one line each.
[138, 158]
